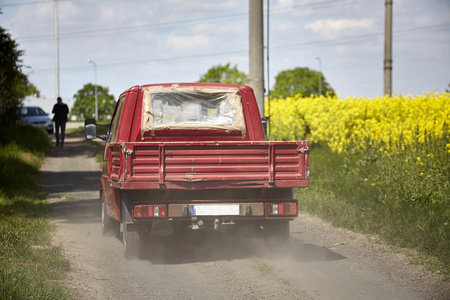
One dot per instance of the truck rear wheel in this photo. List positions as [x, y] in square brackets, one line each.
[131, 241]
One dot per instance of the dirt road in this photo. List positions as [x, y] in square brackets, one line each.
[321, 262]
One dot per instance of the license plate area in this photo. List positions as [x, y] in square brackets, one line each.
[214, 209]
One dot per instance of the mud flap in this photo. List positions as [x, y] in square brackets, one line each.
[127, 208]
[132, 245]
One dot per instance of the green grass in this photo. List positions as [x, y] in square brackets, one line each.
[402, 199]
[30, 267]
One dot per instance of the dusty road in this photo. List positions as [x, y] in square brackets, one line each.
[321, 262]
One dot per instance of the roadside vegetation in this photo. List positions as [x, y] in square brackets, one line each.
[30, 267]
[378, 166]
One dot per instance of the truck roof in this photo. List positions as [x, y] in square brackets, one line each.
[189, 84]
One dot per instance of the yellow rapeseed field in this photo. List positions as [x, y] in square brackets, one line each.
[388, 123]
[388, 171]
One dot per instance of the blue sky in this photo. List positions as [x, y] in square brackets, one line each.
[140, 42]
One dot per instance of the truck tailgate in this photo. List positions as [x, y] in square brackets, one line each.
[200, 165]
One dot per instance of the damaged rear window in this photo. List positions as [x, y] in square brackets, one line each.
[192, 108]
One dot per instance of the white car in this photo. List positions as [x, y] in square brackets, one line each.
[35, 116]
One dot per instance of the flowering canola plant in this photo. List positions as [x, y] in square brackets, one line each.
[393, 151]
[388, 123]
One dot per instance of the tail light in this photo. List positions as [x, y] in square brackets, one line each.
[281, 209]
[149, 211]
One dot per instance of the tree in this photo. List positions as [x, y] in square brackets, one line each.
[84, 105]
[13, 83]
[224, 74]
[300, 81]
[30, 89]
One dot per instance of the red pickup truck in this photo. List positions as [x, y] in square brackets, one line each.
[194, 156]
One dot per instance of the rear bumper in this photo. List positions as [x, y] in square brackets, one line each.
[232, 210]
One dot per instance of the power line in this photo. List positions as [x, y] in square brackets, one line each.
[171, 24]
[362, 37]
[330, 2]
[170, 59]
[29, 3]
[134, 28]
[319, 43]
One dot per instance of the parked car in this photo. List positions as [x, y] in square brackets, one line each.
[35, 116]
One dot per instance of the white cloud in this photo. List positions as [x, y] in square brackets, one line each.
[286, 26]
[284, 3]
[33, 19]
[231, 28]
[202, 27]
[333, 28]
[187, 42]
[69, 14]
[213, 29]
[109, 13]
[292, 8]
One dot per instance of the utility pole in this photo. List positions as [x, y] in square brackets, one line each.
[268, 69]
[90, 61]
[56, 49]
[320, 76]
[388, 49]
[256, 52]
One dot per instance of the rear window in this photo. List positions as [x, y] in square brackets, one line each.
[192, 108]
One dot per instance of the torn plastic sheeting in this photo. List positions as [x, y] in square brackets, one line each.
[192, 108]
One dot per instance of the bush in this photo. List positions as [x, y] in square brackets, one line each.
[21, 158]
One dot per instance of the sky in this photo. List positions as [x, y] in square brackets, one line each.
[139, 42]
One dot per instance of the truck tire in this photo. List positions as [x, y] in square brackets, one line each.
[131, 242]
[276, 232]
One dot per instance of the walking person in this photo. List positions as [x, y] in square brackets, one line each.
[60, 110]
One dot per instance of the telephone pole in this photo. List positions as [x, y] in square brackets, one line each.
[256, 52]
[56, 48]
[388, 49]
[320, 76]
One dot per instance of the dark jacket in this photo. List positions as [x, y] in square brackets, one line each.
[60, 110]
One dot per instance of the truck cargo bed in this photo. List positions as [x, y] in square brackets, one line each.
[203, 165]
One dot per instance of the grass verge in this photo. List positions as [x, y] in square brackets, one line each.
[403, 197]
[30, 267]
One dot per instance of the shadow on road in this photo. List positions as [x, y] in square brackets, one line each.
[70, 181]
[73, 191]
[80, 211]
[66, 167]
[193, 247]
